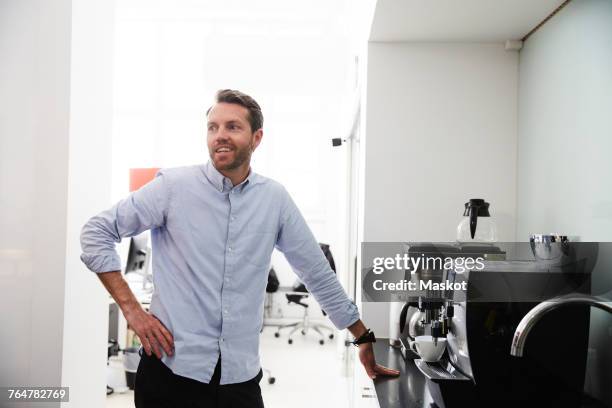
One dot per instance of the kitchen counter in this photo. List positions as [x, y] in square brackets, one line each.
[407, 390]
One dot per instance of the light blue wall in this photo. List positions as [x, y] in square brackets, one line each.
[565, 124]
[565, 147]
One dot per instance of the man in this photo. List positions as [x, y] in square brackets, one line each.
[213, 229]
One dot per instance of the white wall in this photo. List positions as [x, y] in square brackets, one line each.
[34, 121]
[441, 128]
[565, 172]
[54, 166]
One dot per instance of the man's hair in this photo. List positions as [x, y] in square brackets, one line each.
[232, 96]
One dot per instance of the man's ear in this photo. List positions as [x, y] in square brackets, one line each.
[257, 136]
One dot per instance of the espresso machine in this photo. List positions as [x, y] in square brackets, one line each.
[478, 324]
[432, 311]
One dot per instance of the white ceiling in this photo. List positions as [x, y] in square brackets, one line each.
[457, 20]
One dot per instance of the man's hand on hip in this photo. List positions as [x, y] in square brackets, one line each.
[151, 331]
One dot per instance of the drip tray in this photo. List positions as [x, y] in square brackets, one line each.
[440, 371]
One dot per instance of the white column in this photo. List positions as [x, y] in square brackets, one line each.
[89, 191]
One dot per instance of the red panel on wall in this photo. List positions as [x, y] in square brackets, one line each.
[140, 177]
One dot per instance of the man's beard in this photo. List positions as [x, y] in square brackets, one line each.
[241, 155]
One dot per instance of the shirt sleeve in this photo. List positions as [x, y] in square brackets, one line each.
[303, 253]
[143, 209]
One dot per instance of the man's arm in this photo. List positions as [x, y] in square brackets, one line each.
[142, 210]
[151, 332]
[298, 244]
[302, 251]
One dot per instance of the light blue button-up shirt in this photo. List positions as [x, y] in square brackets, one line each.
[212, 243]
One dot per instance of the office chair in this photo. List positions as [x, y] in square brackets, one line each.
[271, 379]
[271, 287]
[297, 296]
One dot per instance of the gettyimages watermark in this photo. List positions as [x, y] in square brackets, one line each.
[500, 272]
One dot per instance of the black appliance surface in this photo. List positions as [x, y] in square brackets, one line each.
[410, 389]
[407, 390]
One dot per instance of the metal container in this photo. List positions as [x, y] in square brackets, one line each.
[549, 247]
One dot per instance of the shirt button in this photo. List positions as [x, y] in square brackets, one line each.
[225, 311]
[221, 339]
[229, 249]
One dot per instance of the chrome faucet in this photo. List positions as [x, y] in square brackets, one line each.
[534, 315]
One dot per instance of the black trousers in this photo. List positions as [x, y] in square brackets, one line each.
[158, 387]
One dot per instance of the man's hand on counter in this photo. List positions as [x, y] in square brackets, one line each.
[366, 354]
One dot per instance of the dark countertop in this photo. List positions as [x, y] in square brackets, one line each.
[407, 390]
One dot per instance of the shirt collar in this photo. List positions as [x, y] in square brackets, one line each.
[222, 183]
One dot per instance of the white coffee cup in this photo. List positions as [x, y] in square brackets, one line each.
[428, 350]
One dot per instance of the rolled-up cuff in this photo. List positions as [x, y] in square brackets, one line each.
[347, 318]
[102, 262]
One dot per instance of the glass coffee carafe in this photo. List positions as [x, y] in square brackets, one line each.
[477, 224]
